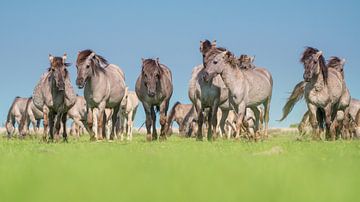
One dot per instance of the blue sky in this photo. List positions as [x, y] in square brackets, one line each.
[125, 31]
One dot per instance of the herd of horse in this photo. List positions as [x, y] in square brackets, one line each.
[230, 97]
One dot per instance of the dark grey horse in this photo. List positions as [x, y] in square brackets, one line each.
[154, 89]
[104, 88]
[54, 96]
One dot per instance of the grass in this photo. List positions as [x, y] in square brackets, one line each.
[279, 169]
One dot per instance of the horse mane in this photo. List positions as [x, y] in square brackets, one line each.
[308, 53]
[211, 53]
[151, 63]
[83, 55]
[58, 62]
[334, 62]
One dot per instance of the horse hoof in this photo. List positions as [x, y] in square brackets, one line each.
[199, 139]
[162, 138]
[149, 137]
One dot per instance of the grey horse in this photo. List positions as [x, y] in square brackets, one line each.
[54, 96]
[127, 113]
[78, 114]
[104, 87]
[326, 95]
[248, 88]
[32, 115]
[16, 112]
[154, 89]
[183, 115]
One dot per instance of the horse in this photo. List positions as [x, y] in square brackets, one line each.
[154, 89]
[78, 114]
[325, 92]
[16, 111]
[33, 115]
[127, 112]
[183, 115]
[248, 88]
[104, 87]
[246, 62]
[54, 96]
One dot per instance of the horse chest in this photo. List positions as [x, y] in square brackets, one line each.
[318, 96]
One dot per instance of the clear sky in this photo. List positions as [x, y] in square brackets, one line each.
[125, 31]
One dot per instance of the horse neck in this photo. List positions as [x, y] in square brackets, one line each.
[96, 78]
[318, 80]
[229, 76]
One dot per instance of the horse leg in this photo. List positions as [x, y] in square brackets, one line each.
[89, 124]
[163, 118]
[213, 121]
[224, 116]
[148, 121]
[240, 118]
[45, 122]
[200, 120]
[253, 125]
[266, 116]
[153, 119]
[114, 120]
[129, 125]
[64, 118]
[123, 127]
[346, 124]
[313, 121]
[51, 125]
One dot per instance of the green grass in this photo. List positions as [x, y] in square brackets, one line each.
[279, 169]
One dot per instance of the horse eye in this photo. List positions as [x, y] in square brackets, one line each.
[87, 66]
[215, 62]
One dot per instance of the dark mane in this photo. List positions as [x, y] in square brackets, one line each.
[83, 55]
[334, 62]
[151, 64]
[308, 53]
[57, 62]
[98, 63]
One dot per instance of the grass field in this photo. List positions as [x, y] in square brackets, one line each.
[279, 169]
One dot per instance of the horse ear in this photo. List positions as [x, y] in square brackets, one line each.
[157, 62]
[252, 59]
[213, 44]
[318, 54]
[142, 60]
[228, 54]
[92, 55]
[51, 58]
[343, 61]
[64, 57]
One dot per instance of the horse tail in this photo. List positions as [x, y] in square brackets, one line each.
[8, 119]
[25, 117]
[296, 95]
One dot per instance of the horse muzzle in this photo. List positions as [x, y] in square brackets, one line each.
[207, 77]
[80, 82]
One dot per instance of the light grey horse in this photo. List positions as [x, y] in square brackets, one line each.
[104, 88]
[183, 115]
[248, 88]
[16, 111]
[54, 96]
[33, 115]
[154, 88]
[326, 95]
[78, 114]
[127, 112]
[208, 95]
